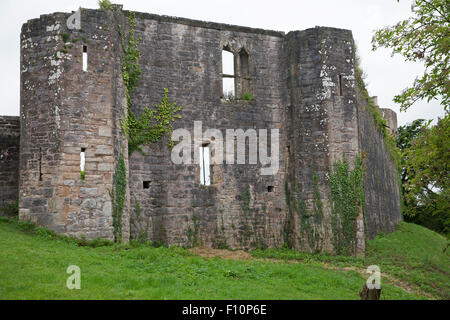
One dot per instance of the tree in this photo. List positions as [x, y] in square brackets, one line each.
[405, 135]
[426, 173]
[425, 37]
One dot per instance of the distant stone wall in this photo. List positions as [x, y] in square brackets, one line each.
[381, 181]
[391, 120]
[9, 159]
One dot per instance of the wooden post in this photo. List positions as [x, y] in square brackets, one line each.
[369, 294]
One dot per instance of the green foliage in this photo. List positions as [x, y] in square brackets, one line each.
[413, 254]
[105, 5]
[129, 59]
[375, 112]
[154, 122]
[427, 178]
[424, 38]
[82, 175]
[34, 268]
[247, 96]
[65, 37]
[310, 222]
[10, 209]
[152, 125]
[45, 234]
[347, 197]
[193, 234]
[117, 195]
[141, 230]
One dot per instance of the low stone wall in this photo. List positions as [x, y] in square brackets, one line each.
[9, 159]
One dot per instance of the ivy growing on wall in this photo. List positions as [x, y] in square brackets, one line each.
[310, 222]
[117, 195]
[151, 126]
[141, 229]
[154, 122]
[347, 199]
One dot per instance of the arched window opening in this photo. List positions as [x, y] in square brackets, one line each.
[244, 72]
[228, 75]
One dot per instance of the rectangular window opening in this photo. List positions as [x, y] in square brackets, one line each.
[205, 165]
[85, 59]
[82, 163]
[228, 75]
[146, 184]
[270, 189]
[40, 164]
[340, 91]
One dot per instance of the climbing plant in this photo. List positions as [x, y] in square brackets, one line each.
[141, 229]
[151, 126]
[310, 222]
[117, 195]
[347, 198]
[154, 122]
[105, 5]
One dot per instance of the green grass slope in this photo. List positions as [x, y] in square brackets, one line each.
[33, 265]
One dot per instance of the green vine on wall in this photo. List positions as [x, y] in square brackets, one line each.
[154, 122]
[347, 199]
[141, 229]
[310, 222]
[117, 195]
[151, 126]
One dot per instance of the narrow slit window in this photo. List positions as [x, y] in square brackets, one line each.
[85, 59]
[228, 75]
[340, 91]
[205, 166]
[82, 163]
[146, 184]
[40, 164]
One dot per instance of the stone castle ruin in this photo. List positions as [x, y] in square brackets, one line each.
[302, 83]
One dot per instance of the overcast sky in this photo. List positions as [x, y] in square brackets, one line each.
[387, 76]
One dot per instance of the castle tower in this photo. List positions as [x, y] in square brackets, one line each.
[71, 102]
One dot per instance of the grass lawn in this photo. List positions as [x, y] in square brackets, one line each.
[33, 265]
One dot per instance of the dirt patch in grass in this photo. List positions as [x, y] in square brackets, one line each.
[242, 255]
[224, 254]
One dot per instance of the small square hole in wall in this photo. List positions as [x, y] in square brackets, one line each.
[270, 189]
[146, 184]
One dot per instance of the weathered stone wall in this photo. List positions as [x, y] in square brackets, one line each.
[185, 57]
[323, 125]
[391, 120]
[9, 159]
[303, 84]
[381, 181]
[64, 111]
